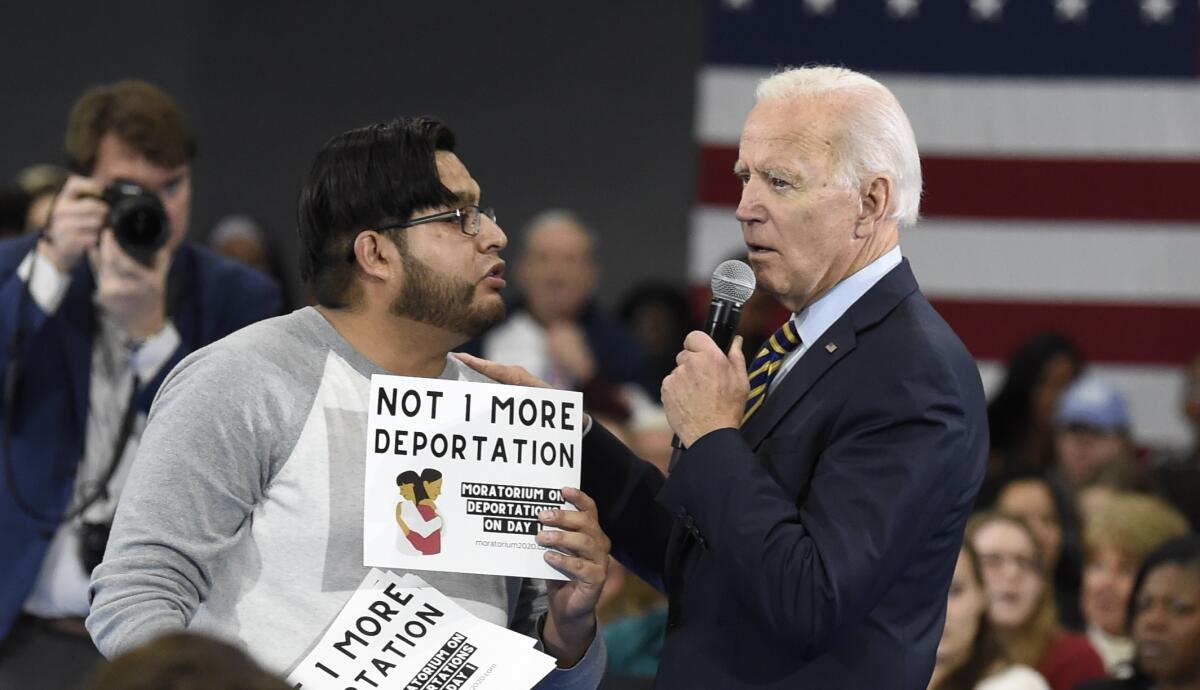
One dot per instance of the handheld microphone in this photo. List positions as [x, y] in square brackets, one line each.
[732, 286]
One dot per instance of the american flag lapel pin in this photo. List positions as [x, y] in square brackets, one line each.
[831, 348]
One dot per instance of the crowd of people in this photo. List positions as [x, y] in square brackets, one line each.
[1074, 520]
[1080, 566]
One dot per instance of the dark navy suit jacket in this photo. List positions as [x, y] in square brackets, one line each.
[813, 548]
[208, 297]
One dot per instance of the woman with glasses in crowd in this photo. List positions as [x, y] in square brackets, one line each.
[969, 656]
[1021, 603]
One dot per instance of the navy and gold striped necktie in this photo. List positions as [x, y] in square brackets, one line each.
[766, 363]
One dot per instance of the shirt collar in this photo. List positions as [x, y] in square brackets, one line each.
[812, 322]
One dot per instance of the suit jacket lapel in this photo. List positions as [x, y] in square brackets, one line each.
[837, 342]
[834, 344]
[821, 356]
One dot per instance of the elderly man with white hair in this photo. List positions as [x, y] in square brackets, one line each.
[808, 535]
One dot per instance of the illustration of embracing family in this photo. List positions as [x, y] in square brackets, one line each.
[417, 514]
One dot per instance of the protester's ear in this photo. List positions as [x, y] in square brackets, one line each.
[377, 255]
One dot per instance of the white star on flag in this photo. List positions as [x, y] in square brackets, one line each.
[820, 6]
[986, 10]
[903, 9]
[1158, 11]
[1071, 10]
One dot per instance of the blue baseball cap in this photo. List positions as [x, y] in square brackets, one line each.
[1092, 402]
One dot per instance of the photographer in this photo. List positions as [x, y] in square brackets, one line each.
[94, 311]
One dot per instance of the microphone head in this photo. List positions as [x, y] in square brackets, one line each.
[733, 281]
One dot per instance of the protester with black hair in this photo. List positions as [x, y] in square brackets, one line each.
[249, 523]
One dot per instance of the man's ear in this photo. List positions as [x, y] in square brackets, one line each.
[876, 203]
[376, 255]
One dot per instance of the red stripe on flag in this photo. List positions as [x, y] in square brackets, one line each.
[1120, 333]
[1151, 190]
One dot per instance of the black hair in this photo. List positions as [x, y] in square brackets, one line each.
[370, 176]
[418, 481]
[1181, 551]
[994, 485]
[1008, 412]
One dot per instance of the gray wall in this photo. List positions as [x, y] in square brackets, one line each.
[584, 105]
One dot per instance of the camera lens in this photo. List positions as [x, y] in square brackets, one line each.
[138, 219]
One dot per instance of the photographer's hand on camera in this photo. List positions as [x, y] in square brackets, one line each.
[133, 294]
[74, 224]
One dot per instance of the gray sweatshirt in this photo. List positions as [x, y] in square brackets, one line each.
[242, 516]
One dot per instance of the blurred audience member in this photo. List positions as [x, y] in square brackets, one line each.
[1021, 414]
[1178, 473]
[1091, 429]
[1164, 614]
[969, 656]
[1030, 496]
[41, 183]
[1091, 432]
[556, 331]
[633, 620]
[649, 431]
[658, 316]
[1021, 603]
[90, 332]
[243, 239]
[184, 661]
[1191, 409]
[1113, 479]
[1117, 539]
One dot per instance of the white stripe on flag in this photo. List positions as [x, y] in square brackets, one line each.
[1059, 261]
[1073, 261]
[1001, 116]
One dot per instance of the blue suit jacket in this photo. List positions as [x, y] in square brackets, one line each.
[208, 297]
[813, 548]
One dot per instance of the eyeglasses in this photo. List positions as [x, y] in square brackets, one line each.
[470, 219]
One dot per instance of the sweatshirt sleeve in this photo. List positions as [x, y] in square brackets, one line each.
[204, 461]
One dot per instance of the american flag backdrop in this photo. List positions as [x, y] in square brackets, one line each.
[1060, 143]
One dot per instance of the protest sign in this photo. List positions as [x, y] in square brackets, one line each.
[392, 636]
[456, 473]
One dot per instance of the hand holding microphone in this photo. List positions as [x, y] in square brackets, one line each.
[707, 390]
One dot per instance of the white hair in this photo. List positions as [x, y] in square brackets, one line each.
[879, 138]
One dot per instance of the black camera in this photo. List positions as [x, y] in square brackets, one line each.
[137, 218]
[93, 539]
